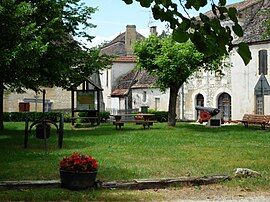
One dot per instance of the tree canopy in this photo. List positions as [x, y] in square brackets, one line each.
[172, 63]
[207, 33]
[38, 46]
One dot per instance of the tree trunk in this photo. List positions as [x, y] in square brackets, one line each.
[1, 105]
[172, 105]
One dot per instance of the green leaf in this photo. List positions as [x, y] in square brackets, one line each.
[128, 1]
[180, 35]
[238, 30]
[232, 14]
[222, 2]
[204, 18]
[145, 3]
[244, 52]
[184, 25]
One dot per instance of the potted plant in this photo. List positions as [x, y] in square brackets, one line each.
[78, 171]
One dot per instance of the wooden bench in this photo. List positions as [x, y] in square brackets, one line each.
[119, 124]
[143, 119]
[256, 119]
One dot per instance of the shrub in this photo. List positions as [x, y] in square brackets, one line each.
[104, 116]
[31, 116]
[161, 116]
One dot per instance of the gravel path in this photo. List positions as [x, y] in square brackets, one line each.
[212, 193]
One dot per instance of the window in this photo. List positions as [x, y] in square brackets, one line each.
[48, 106]
[107, 78]
[144, 96]
[263, 62]
[157, 103]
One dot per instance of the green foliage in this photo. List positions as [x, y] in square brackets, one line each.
[104, 116]
[31, 116]
[172, 63]
[38, 46]
[208, 36]
[160, 116]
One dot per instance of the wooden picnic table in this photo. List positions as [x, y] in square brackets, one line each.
[144, 119]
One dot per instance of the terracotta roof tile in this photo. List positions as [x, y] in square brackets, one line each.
[119, 92]
[125, 59]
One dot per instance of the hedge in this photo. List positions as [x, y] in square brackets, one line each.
[161, 116]
[32, 116]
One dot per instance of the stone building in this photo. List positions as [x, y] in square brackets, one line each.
[234, 93]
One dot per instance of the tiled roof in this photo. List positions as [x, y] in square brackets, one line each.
[119, 92]
[124, 83]
[125, 59]
[144, 80]
[133, 79]
[117, 45]
[249, 14]
[254, 19]
[239, 6]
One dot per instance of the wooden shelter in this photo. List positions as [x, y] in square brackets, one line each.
[85, 97]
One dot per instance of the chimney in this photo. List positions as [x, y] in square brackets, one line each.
[130, 38]
[153, 30]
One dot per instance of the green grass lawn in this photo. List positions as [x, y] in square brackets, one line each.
[132, 153]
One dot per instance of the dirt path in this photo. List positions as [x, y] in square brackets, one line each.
[211, 193]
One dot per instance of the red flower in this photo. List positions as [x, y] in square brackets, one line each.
[79, 163]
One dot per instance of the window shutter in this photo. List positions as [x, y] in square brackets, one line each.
[263, 62]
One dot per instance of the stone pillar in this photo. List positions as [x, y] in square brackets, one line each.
[130, 38]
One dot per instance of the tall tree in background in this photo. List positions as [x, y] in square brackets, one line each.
[37, 47]
[208, 35]
[172, 63]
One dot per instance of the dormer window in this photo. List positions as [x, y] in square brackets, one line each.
[263, 62]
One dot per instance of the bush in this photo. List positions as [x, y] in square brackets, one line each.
[104, 116]
[31, 116]
[161, 116]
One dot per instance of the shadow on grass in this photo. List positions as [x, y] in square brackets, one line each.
[223, 128]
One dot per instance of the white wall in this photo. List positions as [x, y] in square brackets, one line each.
[244, 79]
[118, 69]
[151, 94]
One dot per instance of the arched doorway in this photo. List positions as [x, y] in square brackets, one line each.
[224, 105]
[199, 102]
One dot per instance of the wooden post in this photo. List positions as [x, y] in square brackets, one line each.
[72, 106]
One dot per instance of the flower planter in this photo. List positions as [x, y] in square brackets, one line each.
[40, 131]
[77, 180]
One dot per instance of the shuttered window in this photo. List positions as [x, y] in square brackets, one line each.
[263, 62]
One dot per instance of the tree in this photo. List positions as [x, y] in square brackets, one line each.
[206, 33]
[38, 48]
[172, 63]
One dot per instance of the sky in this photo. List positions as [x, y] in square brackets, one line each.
[112, 17]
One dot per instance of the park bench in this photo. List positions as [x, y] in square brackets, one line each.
[256, 119]
[142, 119]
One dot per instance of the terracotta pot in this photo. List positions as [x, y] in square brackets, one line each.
[77, 180]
